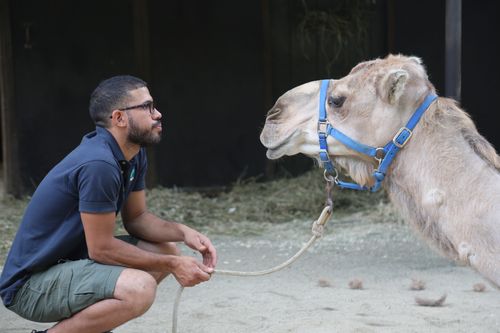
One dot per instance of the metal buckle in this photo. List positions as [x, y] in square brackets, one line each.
[331, 178]
[401, 130]
[324, 124]
[379, 154]
[324, 151]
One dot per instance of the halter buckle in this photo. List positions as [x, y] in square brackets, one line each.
[403, 134]
[379, 154]
[331, 178]
[322, 126]
[324, 156]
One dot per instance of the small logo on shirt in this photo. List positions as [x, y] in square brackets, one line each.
[132, 175]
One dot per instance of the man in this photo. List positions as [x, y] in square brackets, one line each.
[65, 265]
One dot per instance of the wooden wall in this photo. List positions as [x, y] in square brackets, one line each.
[481, 66]
[71, 47]
[423, 34]
[214, 68]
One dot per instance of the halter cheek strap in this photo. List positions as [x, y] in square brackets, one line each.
[323, 128]
[384, 155]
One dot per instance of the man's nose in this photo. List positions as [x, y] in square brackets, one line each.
[157, 114]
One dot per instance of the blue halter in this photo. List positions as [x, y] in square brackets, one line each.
[384, 155]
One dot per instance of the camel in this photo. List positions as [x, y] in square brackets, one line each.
[444, 178]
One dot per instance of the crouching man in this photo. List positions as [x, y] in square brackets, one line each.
[65, 264]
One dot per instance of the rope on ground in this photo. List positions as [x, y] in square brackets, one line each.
[317, 231]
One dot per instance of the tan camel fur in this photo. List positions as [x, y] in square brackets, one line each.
[445, 181]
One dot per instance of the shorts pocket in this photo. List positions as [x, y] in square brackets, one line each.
[43, 298]
[81, 300]
[88, 285]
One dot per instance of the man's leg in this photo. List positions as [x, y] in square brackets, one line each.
[134, 293]
[162, 248]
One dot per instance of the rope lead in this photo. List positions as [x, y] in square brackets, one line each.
[317, 232]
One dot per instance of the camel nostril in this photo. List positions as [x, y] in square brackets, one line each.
[273, 113]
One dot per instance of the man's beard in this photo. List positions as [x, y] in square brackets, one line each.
[143, 137]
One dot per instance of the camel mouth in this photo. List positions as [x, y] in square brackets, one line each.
[279, 148]
[276, 151]
[273, 154]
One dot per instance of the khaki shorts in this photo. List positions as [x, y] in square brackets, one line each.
[66, 288]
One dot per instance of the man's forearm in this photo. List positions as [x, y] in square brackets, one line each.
[151, 228]
[120, 253]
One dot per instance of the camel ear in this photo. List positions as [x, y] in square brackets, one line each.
[395, 84]
[416, 60]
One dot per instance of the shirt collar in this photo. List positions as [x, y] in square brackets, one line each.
[111, 141]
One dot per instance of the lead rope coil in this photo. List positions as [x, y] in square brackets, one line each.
[317, 231]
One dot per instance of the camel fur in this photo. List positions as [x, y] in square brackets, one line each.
[445, 181]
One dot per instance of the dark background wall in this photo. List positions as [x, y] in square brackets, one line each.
[418, 28]
[73, 45]
[215, 68]
[423, 34]
[480, 65]
[208, 78]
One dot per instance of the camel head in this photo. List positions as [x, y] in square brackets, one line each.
[369, 105]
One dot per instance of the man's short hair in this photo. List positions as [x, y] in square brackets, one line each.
[110, 95]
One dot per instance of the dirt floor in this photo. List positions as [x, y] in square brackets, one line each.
[313, 295]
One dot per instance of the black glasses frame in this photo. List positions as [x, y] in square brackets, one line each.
[150, 106]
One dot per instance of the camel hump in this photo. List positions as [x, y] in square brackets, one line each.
[448, 109]
[482, 147]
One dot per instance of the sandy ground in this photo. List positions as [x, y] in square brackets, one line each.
[313, 295]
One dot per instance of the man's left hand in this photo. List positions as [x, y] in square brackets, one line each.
[202, 244]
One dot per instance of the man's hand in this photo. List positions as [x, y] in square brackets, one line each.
[145, 225]
[202, 244]
[189, 272]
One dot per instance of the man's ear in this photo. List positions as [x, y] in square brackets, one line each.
[118, 118]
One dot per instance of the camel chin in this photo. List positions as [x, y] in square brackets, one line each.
[308, 150]
[274, 154]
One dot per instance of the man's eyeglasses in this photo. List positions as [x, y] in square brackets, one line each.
[149, 106]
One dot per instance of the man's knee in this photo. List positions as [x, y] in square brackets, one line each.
[170, 248]
[162, 248]
[138, 288]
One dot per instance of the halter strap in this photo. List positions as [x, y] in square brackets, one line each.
[385, 155]
[322, 129]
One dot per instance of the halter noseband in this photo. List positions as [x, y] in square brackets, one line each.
[384, 155]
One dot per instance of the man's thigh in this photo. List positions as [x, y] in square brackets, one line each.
[65, 289]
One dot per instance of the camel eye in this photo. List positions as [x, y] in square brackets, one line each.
[336, 101]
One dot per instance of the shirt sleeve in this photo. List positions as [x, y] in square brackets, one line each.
[99, 185]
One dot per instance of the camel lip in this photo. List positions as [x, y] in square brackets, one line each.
[273, 154]
[276, 149]
[277, 144]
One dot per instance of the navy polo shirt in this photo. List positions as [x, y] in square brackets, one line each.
[93, 178]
